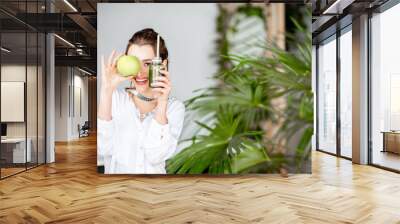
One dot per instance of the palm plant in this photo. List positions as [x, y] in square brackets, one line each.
[242, 93]
[228, 148]
[234, 142]
[290, 73]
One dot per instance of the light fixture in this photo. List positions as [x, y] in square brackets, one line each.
[84, 71]
[70, 5]
[5, 50]
[337, 7]
[64, 40]
[80, 51]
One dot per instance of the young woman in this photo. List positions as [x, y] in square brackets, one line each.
[137, 130]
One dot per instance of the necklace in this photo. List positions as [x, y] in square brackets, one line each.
[139, 95]
[142, 116]
[133, 91]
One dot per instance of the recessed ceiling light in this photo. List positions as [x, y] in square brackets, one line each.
[338, 6]
[84, 71]
[64, 40]
[70, 5]
[5, 50]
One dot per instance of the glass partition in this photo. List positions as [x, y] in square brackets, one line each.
[22, 88]
[327, 95]
[31, 99]
[13, 94]
[41, 107]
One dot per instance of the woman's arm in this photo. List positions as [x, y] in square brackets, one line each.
[162, 139]
[163, 134]
[110, 79]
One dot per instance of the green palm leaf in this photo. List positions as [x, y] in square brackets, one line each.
[233, 110]
[227, 141]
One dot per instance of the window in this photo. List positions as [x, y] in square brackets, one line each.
[327, 96]
[346, 92]
[385, 89]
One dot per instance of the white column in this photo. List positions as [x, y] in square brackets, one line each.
[314, 90]
[50, 92]
[50, 110]
[360, 90]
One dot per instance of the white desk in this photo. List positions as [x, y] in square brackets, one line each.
[19, 155]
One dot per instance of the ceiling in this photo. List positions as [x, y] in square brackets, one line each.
[74, 22]
[328, 16]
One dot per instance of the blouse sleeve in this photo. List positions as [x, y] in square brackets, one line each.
[161, 140]
[105, 129]
[104, 137]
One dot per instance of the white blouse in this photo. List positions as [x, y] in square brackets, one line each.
[127, 145]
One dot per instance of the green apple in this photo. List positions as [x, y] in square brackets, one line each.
[128, 65]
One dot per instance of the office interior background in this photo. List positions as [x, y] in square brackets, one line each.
[48, 73]
[357, 83]
[27, 52]
[40, 71]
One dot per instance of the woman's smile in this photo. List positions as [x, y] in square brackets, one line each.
[141, 80]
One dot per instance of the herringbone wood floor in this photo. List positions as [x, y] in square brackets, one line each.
[71, 191]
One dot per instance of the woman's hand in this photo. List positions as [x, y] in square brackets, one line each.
[164, 82]
[162, 95]
[110, 78]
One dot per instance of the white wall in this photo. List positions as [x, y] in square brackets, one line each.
[14, 72]
[61, 103]
[67, 120]
[80, 83]
[188, 29]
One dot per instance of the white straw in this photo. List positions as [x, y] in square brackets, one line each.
[158, 46]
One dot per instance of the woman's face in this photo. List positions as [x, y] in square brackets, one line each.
[145, 53]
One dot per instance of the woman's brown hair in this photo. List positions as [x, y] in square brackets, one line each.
[148, 36]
